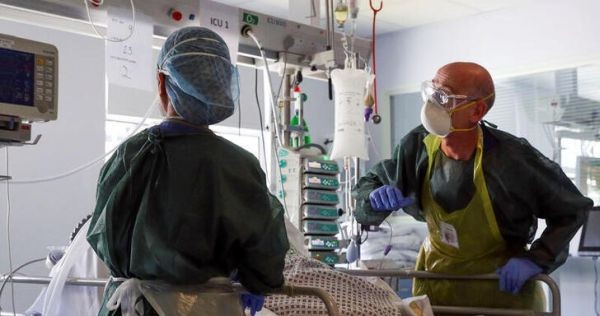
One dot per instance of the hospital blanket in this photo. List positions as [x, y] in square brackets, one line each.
[353, 295]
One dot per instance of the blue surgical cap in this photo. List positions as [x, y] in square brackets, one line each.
[201, 82]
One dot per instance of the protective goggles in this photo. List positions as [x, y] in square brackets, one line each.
[444, 98]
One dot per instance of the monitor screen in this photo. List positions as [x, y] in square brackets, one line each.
[16, 77]
[28, 79]
[590, 236]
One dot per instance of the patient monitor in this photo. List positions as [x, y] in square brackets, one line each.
[28, 86]
[589, 244]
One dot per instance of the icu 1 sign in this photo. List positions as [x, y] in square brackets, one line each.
[219, 23]
[224, 20]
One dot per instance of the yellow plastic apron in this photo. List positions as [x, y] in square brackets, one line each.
[466, 242]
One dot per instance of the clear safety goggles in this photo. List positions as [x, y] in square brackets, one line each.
[443, 97]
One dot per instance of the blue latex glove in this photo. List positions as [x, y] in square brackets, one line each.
[515, 272]
[252, 301]
[388, 198]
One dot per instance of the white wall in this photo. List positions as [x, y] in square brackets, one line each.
[44, 214]
[539, 35]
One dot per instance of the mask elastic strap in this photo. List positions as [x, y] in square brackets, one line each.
[452, 129]
[462, 107]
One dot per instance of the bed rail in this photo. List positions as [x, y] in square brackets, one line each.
[407, 274]
[288, 290]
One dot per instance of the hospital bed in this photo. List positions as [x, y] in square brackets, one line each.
[305, 276]
[80, 255]
[394, 275]
[332, 307]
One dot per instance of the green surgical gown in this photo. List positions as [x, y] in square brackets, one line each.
[179, 204]
[522, 183]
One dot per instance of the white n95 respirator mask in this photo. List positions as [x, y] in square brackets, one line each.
[435, 119]
[438, 120]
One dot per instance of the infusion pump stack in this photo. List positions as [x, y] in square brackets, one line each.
[28, 87]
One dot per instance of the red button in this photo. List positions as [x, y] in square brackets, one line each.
[176, 15]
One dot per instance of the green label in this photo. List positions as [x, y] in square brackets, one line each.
[250, 18]
[331, 244]
[330, 259]
[325, 243]
[328, 212]
[330, 182]
[330, 167]
[283, 153]
[328, 228]
[329, 197]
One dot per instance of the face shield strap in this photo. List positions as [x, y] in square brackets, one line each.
[468, 104]
[164, 71]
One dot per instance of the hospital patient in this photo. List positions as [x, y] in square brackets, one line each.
[353, 295]
[179, 209]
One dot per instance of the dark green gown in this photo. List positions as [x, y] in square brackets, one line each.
[179, 204]
[522, 183]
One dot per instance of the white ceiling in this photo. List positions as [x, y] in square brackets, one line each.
[395, 15]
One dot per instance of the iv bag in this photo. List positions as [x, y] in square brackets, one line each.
[349, 138]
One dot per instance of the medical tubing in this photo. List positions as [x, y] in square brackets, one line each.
[262, 54]
[131, 31]
[362, 241]
[260, 119]
[595, 261]
[375, 105]
[8, 242]
[239, 117]
[327, 15]
[9, 276]
[391, 232]
[373, 142]
[93, 162]
[345, 181]
[285, 208]
[282, 77]
[249, 33]
[313, 145]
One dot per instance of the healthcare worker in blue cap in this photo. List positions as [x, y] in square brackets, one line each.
[481, 192]
[179, 209]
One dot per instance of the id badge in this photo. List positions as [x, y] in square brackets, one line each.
[449, 236]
